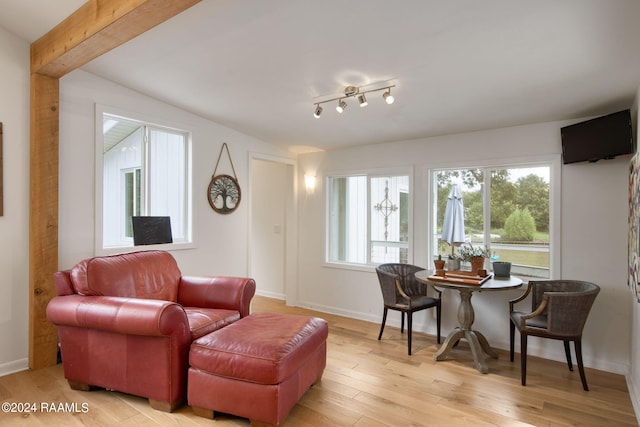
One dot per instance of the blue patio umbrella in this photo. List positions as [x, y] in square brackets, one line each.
[453, 226]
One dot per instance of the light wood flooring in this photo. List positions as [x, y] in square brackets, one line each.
[367, 383]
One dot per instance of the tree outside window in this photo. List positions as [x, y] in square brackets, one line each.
[506, 209]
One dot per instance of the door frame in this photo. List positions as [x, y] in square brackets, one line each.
[290, 225]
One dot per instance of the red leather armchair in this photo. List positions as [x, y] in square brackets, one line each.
[126, 322]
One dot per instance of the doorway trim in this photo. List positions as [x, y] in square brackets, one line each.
[290, 225]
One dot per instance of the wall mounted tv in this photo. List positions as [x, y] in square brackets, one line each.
[600, 138]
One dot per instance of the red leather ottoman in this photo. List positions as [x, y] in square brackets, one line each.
[257, 367]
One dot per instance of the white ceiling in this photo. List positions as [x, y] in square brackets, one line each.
[458, 65]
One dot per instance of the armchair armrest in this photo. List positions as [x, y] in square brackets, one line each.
[535, 313]
[120, 315]
[231, 293]
[399, 288]
[62, 282]
[520, 298]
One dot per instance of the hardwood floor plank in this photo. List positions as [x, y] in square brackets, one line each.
[368, 383]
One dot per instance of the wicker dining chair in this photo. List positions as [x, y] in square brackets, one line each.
[559, 310]
[402, 292]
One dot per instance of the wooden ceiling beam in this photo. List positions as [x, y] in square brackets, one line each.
[97, 27]
[94, 29]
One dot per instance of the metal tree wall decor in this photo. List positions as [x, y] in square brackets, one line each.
[386, 208]
[224, 191]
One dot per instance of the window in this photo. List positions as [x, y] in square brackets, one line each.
[507, 209]
[368, 219]
[145, 172]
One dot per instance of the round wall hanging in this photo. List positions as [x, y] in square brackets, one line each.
[224, 191]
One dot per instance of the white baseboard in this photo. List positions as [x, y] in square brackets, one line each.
[346, 313]
[268, 294]
[15, 366]
[633, 395]
[394, 321]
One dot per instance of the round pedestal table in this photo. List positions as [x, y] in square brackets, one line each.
[466, 314]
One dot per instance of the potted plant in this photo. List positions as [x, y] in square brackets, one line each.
[454, 261]
[439, 263]
[474, 255]
[502, 268]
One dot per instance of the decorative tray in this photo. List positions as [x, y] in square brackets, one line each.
[461, 276]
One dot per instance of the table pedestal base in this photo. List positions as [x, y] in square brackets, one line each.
[477, 342]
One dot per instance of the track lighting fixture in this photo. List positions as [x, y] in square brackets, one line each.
[388, 98]
[354, 92]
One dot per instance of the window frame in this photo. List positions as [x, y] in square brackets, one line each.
[135, 173]
[555, 190]
[369, 174]
[188, 242]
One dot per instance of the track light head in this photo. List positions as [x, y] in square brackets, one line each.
[362, 100]
[318, 111]
[388, 98]
[341, 106]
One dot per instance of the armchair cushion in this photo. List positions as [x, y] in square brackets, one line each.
[203, 321]
[123, 276]
[533, 322]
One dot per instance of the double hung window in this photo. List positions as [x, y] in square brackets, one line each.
[368, 219]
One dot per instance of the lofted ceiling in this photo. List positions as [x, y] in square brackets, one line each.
[458, 66]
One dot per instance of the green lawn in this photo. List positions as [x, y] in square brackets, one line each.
[523, 257]
[533, 258]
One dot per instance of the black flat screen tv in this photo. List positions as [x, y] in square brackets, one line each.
[151, 230]
[600, 138]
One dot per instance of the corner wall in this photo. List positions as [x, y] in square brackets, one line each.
[14, 224]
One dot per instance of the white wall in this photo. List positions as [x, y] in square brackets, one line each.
[14, 224]
[593, 238]
[269, 183]
[221, 240]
